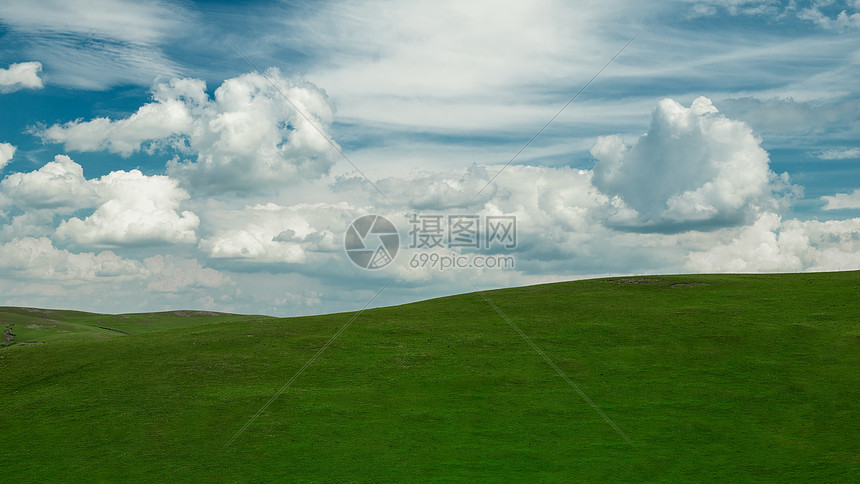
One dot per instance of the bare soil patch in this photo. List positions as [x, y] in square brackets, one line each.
[690, 284]
[638, 280]
[196, 313]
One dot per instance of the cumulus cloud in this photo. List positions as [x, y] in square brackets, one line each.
[759, 248]
[557, 209]
[834, 244]
[24, 75]
[771, 245]
[58, 185]
[130, 207]
[46, 275]
[555, 190]
[692, 178]
[37, 258]
[434, 190]
[842, 201]
[246, 137]
[7, 151]
[278, 234]
[560, 214]
[134, 209]
[33, 223]
[693, 169]
[169, 115]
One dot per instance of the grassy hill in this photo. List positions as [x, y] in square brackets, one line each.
[729, 377]
[34, 326]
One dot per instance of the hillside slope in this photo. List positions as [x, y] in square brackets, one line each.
[729, 377]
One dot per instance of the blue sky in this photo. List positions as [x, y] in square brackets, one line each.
[145, 165]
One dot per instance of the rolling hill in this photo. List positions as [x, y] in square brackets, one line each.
[710, 377]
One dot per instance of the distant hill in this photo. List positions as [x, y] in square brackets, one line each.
[712, 378]
[33, 325]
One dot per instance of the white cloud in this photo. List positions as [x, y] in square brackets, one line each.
[560, 215]
[771, 245]
[841, 21]
[842, 201]
[704, 8]
[561, 191]
[24, 75]
[484, 65]
[277, 234]
[169, 115]
[758, 248]
[79, 62]
[558, 210]
[170, 274]
[252, 137]
[36, 273]
[58, 185]
[693, 169]
[7, 151]
[37, 258]
[840, 154]
[134, 209]
[119, 19]
[32, 223]
[435, 189]
[130, 207]
[246, 138]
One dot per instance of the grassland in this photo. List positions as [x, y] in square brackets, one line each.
[713, 378]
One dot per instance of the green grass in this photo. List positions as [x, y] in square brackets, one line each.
[713, 378]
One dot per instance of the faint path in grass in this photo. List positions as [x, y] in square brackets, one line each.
[109, 329]
[9, 336]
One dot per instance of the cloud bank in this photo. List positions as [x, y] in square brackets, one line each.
[241, 165]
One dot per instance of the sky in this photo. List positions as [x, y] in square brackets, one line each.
[163, 155]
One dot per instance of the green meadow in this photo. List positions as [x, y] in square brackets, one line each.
[711, 378]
